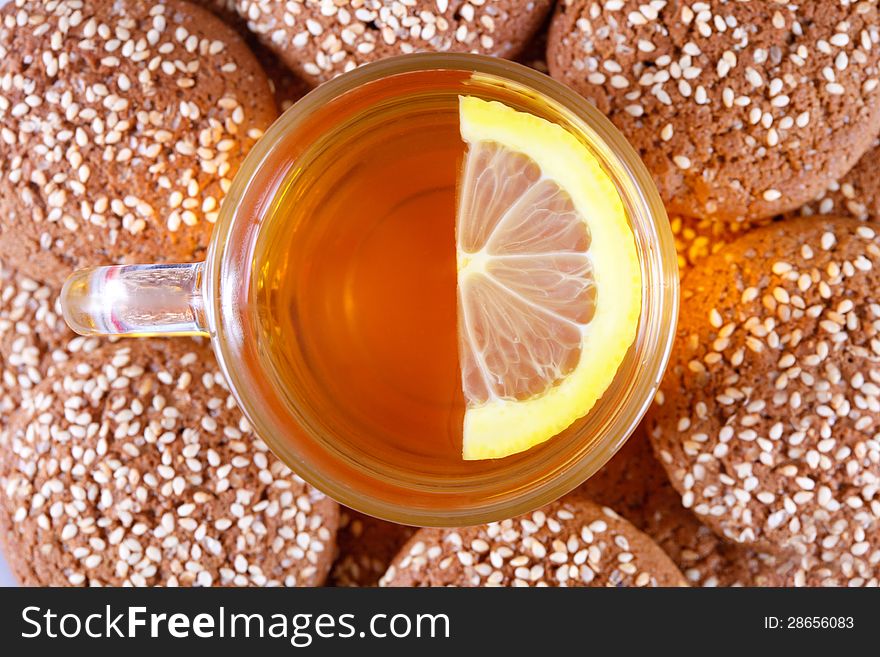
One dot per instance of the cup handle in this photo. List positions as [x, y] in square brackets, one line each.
[136, 300]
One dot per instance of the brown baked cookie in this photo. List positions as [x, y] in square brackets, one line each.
[766, 420]
[133, 465]
[739, 109]
[572, 542]
[624, 483]
[319, 40]
[635, 484]
[857, 194]
[365, 548]
[123, 124]
[707, 560]
[33, 338]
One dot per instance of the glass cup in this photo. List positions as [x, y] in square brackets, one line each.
[214, 298]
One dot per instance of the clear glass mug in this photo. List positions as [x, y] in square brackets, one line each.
[211, 298]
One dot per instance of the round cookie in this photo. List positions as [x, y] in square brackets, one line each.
[33, 338]
[624, 482]
[739, 109]
[767, 419]
[635, 484]
[133, 465]
[571, 542]
[320, 40]
[123, 124]
[365, 547]
[857, 194]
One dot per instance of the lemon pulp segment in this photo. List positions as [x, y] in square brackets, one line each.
[549, 281]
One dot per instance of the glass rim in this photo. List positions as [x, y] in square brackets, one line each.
[224, 326]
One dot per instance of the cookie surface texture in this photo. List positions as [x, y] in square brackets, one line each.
[319, 40]
[739, 109]
[123, 125]
[767, 419]
[133, 465]
[572, 542]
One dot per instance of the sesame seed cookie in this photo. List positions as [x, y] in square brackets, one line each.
[365, 547]
[33, 338]
[634, 484]
[706, 560]
[738, 108]
[133, 465]
[767, 419]
[857, 194]
[626, 480]
[571, 542]
[319, 40]
[123, 124]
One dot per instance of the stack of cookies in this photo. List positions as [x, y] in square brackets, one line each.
[122, 463]
[759, 463]
[122, 124]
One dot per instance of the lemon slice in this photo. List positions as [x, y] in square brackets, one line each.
[549, 283]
